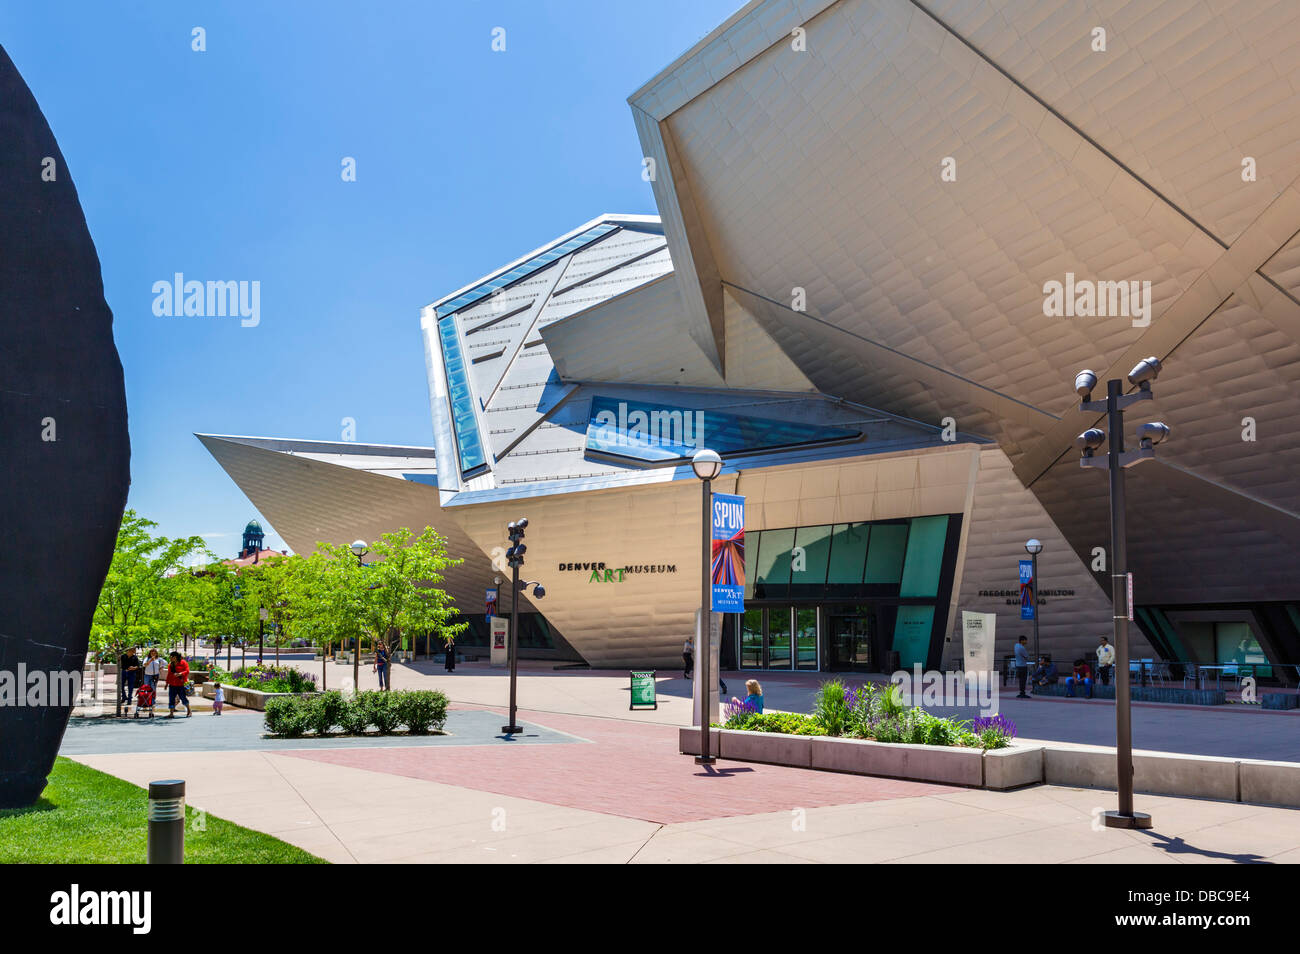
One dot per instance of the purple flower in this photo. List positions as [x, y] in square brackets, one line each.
[999, 722]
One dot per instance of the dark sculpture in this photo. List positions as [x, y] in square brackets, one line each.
[64, 449]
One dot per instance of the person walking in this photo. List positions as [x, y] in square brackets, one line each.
[218, 698]
[131, 669]
[381, 664]
[450, 664]
[688, 658]
[178, 676]
[1105, 661]
[1022, 666]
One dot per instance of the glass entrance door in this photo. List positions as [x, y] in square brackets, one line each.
[778, 637]
[805, 637]
[751, 639]
[848, 639]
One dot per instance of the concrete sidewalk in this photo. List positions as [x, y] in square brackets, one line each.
[1236, 731]
[347, 814]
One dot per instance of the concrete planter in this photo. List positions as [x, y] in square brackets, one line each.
[771, 747]
[951, 765]
[1056, 763]
[1270, 783]
[1013, 766]
[1155, 773]
[248, 698]
[927, 763]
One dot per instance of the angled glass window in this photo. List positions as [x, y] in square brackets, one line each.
[664, 433]
[469, 446]
[848, 552]
[753, 545]
[885, 557]
[812, 546]
[924, 556]
[774, 559]
[524, 269]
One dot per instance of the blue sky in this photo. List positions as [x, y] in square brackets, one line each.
[225, 165]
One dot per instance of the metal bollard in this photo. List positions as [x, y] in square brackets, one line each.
[166, 822]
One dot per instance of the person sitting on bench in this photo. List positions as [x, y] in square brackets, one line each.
[1082, 677]
[1044, 675]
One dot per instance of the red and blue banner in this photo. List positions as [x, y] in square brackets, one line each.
[1028, 605]
[727, 571]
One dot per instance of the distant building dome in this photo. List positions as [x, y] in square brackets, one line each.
[253, 538]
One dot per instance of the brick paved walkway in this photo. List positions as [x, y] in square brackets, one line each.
[628, 769]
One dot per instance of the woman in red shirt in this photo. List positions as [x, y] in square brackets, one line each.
[178, 677]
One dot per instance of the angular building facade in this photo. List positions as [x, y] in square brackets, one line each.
[889, 235]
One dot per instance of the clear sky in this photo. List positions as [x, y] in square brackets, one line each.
[225, 165]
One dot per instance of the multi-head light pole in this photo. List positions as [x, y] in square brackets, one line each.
[515, 558]
[1116, 460]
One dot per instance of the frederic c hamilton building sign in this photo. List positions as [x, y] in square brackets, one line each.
[1012, 597]
[600, 573]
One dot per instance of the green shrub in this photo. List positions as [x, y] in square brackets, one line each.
[354, 717]
[786, 723]
[864, 709]
[325, 711]
[277, 715]
[887, 729]
[832, 707]
[382, 707]
[288, 717]
[421, 709]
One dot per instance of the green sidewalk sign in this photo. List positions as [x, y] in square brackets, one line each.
[643, 690]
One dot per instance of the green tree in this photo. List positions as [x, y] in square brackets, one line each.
[396, 592]
[137, 602]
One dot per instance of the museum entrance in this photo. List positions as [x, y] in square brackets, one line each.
[850, 637]
[782, 636]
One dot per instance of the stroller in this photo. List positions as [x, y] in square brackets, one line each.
[144, 700]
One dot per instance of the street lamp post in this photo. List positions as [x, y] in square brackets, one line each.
[707, 465]
[515, 558]
[1116, 460]
[261, 632]
[359, 549]
[1033, 547]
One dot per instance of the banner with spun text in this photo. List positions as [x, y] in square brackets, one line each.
[728, 563]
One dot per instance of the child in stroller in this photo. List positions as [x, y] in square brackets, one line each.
[144, 700]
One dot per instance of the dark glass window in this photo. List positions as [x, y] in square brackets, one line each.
[848, 555]
[924, 556]
[885, 556]
[812, 546]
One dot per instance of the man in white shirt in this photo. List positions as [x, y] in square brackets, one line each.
[688, 658]
[1105, 661]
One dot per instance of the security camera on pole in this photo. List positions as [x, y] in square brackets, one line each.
[515, 558]
[1115, 461]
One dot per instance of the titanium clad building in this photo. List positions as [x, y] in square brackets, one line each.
[889, 234]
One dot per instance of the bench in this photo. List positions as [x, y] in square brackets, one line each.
[1279, 700]
[1167, 694]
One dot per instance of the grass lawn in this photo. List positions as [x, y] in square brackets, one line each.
[87, 817]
